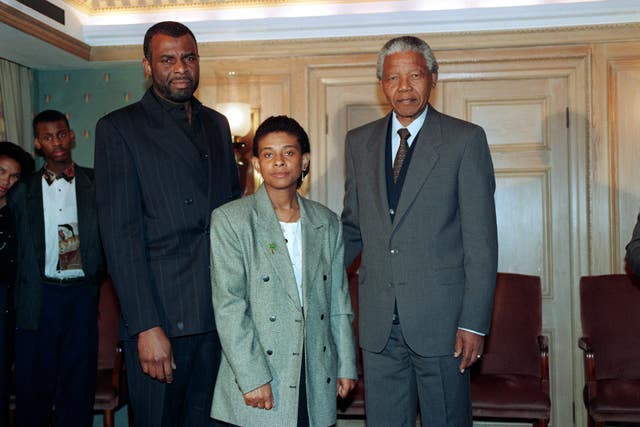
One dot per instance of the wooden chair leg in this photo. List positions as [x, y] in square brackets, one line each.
[108, 417]
[129, 415]
[593, 423]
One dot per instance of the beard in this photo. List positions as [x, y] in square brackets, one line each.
[176, 95]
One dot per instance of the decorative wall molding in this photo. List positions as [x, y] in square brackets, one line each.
[371, 44]
[33, 27]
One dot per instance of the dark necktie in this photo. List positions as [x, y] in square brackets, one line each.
[403, 149]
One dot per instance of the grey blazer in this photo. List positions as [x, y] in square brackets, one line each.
[438, 258]
[259, 318]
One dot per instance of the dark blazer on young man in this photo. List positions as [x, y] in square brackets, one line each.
[34, 295]
[27, 209]
[156, 190]
[436, 255]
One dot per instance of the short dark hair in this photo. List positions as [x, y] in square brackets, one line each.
[15, 152]
[168, 28]
[407, 44]
[48, 116]
[283, 124]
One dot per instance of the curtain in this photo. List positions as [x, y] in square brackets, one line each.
[15, 104]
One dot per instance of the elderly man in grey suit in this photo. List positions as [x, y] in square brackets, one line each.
[419, 205]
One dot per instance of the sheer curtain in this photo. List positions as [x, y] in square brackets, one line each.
[15, 104]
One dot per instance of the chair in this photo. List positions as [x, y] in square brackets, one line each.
[353, 405]
[111, 385]
[610, 314]
[511, 380]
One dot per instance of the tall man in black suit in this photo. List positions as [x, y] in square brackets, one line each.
[419, 204]
[60, 268]
[162, 165]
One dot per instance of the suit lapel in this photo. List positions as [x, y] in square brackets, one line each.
[312, 240]
[217, 158]
[169, 137]
[377, 152]
[36, 217]
[424, 158]
[86, 211]
[271, 242]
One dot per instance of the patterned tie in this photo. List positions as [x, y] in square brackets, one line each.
[402, 153]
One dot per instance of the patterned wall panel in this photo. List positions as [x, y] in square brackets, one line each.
[86, 95]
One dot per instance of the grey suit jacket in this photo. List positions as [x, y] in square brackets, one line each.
[26, 206]
[438, 258]
[260, 321]
[155, 193]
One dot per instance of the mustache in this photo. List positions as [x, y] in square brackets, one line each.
[180, 79]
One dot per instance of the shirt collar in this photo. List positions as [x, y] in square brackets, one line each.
[413, 128]
[170, 106]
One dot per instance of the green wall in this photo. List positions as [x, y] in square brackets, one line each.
[85, 95]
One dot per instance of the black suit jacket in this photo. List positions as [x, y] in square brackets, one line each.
[26, 205]
[155, 194]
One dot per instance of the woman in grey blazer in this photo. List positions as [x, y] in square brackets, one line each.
[280, 295]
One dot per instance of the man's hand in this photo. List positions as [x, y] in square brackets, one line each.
[470, 346]
[156, 357]
[260, 398]
[345, 385]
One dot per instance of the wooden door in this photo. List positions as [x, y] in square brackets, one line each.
[526, 126]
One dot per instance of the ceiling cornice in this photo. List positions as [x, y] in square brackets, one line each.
[33, 27]
[593, 34]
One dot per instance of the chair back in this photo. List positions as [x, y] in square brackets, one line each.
[511, 347]
[108, 324]
[610, 314]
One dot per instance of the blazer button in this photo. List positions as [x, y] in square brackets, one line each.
[265, 278]
[322, 317]
[188, 201]
[394, 251]
[272, 318]
[324, 277]
[269, 352]
[328, 380]
[324, 348]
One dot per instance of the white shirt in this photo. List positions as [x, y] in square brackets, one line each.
[60, 214]
[293, 237]
[413, 128]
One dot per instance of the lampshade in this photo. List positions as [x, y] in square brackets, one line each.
[239, 116]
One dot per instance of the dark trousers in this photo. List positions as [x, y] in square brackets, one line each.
[6, 352]
[187, 400]
[56, 365]
[397, 378]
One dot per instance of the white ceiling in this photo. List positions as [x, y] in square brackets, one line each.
[280, 19]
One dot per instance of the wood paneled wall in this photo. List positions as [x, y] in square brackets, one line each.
[562, 107]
